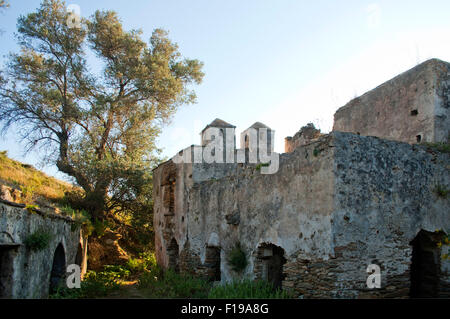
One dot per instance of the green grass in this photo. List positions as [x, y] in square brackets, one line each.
[440, 146]
[169, 284]
[247, 289]
[94, 285]
[31, 181]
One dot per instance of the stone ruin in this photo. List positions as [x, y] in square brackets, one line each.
[26, 272]
[368, 193]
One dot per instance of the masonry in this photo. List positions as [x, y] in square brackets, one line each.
[338, 203]
[32, 273]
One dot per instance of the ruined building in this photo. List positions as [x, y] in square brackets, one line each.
[28, 271]
[365, 194]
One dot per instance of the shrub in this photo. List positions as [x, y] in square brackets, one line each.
[258, 166]
[439, 146]
[441, 190]
[94, 285]
[156, 284]
[38, 240]
[237, 258]
[247, 289]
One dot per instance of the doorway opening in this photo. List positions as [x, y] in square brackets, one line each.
[425, 265]
[58, 268]
[272, 260]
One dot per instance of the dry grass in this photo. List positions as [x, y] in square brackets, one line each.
[31, 181]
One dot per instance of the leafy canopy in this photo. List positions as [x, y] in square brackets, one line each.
[99, 127]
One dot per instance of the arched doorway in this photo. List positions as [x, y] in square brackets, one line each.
[271, 259]
[212, 262]
[425, 265]
[58, 268]
[172, 254]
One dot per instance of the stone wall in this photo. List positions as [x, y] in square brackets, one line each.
[412, 107]
[27, 273]
[335, 206]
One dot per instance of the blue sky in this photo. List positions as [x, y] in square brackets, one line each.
[281, 62]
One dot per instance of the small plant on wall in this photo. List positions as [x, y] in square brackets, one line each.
[237, 258]
[38, 240]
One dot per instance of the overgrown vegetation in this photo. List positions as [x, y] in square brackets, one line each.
[38, 240]
[247, 289]
[169, 284]
[441, 190]
[439, 146]
[237, 258]
[152, 282]
[31, 181]
[94, 285]
[260, 165]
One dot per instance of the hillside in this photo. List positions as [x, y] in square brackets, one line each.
[28, 185]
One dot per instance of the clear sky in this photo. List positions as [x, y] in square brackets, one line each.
[281, 62]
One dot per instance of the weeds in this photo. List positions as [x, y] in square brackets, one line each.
[247, 289]
[237, 258]
[39, 240]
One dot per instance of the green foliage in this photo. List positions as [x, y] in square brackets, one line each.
[31, 208]
[316, 152]
[145, 262]
[94, 285]
[99, 128]
[247, 289]
[39, 240]
[169, 284]
[439, 146]
[258, 166]
[237, 258]
[441, 190]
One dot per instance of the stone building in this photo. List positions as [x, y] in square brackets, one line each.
[338, 203]
[34, 273]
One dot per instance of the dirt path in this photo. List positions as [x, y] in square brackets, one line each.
[128, 290]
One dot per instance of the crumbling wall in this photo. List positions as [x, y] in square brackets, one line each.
[334, 207]
[27, 271]
[306, 135]
[413, 107]
[385, 195]
[290, 209]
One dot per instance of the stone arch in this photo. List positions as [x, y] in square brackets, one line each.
[425, 268]
[173, 255]
[269, 264]
[212, 263]
[58, 268]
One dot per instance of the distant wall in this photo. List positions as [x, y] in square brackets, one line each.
[412, 107]
[26, 273]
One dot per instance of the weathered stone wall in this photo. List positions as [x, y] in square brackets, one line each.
[412, 107]
[305, 135]
[334, 207]
[290, 209]
[25, 273]
[385, 194]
